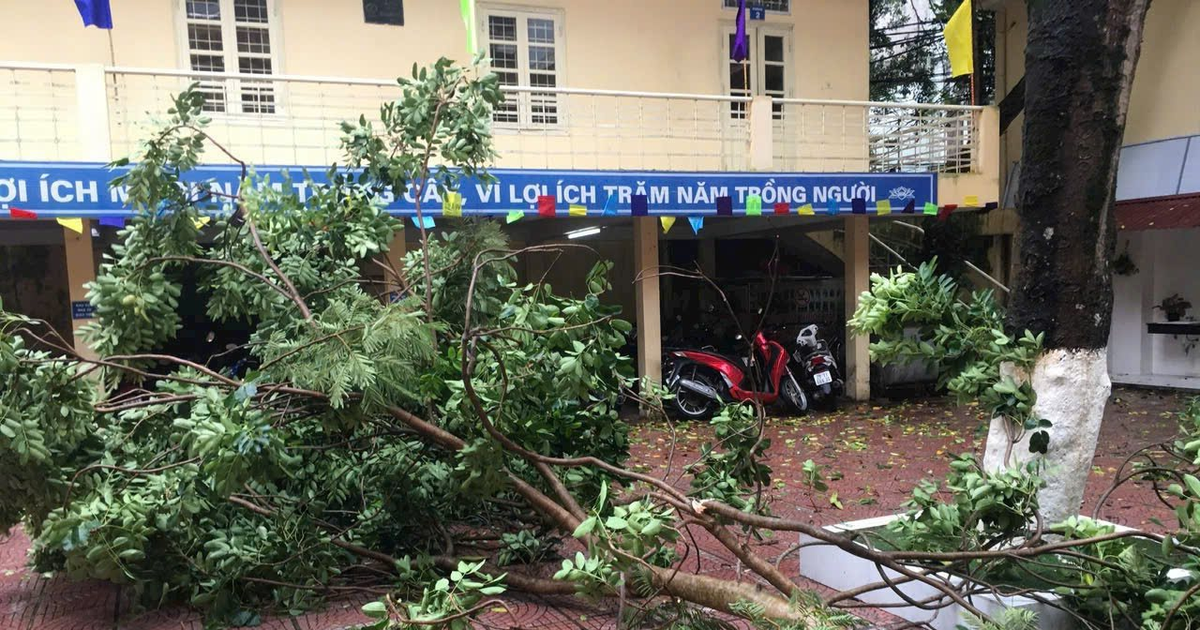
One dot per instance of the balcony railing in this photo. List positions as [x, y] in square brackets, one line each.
[48, 112]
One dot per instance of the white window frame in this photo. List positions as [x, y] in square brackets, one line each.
[525, 99]
[232, 87]
[757, 71]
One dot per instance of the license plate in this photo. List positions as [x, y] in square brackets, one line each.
[822, 378]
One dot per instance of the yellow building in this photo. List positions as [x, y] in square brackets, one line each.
[619, 89]
[1158, 191]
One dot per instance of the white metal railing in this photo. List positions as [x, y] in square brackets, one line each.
[38, 110]
[290, 119]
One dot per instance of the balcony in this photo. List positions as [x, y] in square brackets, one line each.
[90, 113]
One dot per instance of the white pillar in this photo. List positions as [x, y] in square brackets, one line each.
[646, 295]
[857, 264]
[762, 134]
[91, 103]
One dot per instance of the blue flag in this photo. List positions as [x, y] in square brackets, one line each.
[117, 222]
[697, 224]
[425, 221]
[610, 206]
[96, 13]
[741, 46]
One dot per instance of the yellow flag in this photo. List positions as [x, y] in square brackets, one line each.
[200, 222]
[452, 205]
[805, 211]
[667, 223]
[75, 225]
[577, 210]
[883, 206]
[972, 201]
[958, 41]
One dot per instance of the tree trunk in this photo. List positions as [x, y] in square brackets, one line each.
[1079, 67]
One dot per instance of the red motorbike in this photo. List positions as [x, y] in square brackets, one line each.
[700, 380]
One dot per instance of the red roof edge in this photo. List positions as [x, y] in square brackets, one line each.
[1173, 212]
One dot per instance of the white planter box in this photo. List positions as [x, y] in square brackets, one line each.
[840, 570]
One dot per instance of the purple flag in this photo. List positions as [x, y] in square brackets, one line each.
[96, 13]
[741, 46]
[117, 222]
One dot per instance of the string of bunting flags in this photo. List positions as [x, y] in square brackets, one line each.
[547, 208]
[70, 192]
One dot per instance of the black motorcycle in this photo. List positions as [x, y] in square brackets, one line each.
[818, 371]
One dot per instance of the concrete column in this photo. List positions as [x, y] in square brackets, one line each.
[95, 145]
[397, 249]
[646, 296]
[858, 362]
[762, 134]
[81, 269]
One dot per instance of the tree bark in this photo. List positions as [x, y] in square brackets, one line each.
[1079, 68]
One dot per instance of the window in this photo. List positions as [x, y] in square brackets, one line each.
[389, 12]
[778, 6]
[525, 49]
[765, 71]
[232, 36]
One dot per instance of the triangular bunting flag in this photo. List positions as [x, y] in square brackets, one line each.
[18, 213]
[667, 223]
[697, 224]
[833, 207]
[452, 205]
[883, 206]
[782, 208]
[639, 206]
[577, 210]
[947, 210]
[514, 216]
[546, 206]
[117, 222]
[910, 207]
[858, 206]
[610, 206]
[991, 205]
[972, 201]
[200, 222]
[75, 225]
[931, 208]
[424, 222]
[754, 206]
[725, 206]
[805, 211]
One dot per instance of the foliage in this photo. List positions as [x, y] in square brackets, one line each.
[919, 316]
[1119, 581]
[908, 53]
[256, 487]
[731, 469]
[1008, 619]
[446, 604]
[983, 507]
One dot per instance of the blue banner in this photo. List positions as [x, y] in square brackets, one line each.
[73, 189]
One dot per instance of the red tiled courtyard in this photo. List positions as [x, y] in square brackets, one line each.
[873, 453]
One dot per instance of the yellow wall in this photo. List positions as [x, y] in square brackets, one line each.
[659, 45]
[1165, 102]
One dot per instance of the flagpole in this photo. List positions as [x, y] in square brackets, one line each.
[975, 91]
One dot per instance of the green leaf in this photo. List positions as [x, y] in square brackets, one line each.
[585, 527]
[375, 610]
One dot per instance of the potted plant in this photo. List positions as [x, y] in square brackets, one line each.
[1174, 307]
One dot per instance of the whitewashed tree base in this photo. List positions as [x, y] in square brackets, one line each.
[840, 570]
[1072, 389]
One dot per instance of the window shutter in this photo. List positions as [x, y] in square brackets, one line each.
[389, 12]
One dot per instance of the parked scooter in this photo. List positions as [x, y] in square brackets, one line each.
[818, 373]
[700, 380]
